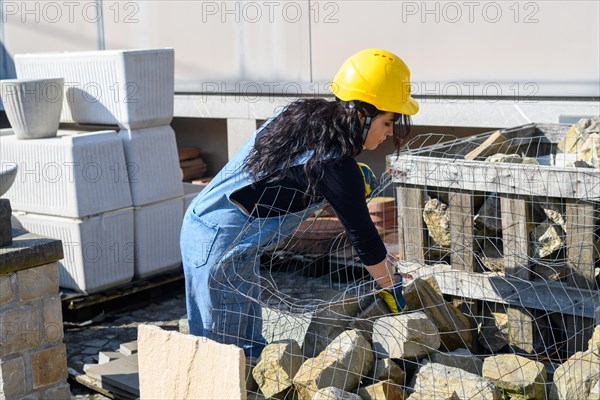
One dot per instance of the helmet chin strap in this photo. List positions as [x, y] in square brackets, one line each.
[365, 131]
[368, 118]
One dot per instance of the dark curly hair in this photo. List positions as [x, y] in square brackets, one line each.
[328, 128]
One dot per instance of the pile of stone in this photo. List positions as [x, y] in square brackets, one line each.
[583, 141]
[355, 351]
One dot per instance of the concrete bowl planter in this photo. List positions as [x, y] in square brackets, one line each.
[33, 106]
[8, 172]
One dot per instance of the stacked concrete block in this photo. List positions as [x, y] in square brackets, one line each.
[71, 188]
[33, 359]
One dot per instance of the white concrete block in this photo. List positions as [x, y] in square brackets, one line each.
[130, 88]
[98, 251]
[153, 170]
[71, 175]
[157, 230]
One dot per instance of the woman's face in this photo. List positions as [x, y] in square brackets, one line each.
[382, 126]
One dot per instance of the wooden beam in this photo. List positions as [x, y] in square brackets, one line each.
[514, 237]
[502, 178]
[551, 297]
[495, 143]
[580, 243]
[461, 231]
[410, 222]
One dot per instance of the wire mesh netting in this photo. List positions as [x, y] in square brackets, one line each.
[498, 236]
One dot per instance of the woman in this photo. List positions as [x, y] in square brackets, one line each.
[297, 161]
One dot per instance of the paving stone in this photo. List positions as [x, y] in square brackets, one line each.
[108, 356]
[460, 358]
[121, 373]
[100, 343]
[405, 336]
[12, 378]
[516, 376]
[49, 366]
[129, 348]
[174, 365]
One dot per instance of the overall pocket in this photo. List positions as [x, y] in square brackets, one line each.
[197, 240]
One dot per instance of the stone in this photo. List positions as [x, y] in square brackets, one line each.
[49, 366]
[437, 219]
[20, 329]
[488, 221]
[453, 326]
[281, 325]
[60, 392]
[460, 358]
[439, 380]
[578, 134]
[516, 376]
[594, 342]
[493, 334]
[386, 369]
[129, 348]
[328, 323]
[364, 321]
[405, 336]
[590, 150]
[436, 396]
[121, 373]
[277, 365]
[577, 376]
[546, 238]
[384, 390]
[6, 294]
[53, 322]
[174, 365]
[108, 356]
[12, 378]
[343, 363]
[509, 158]
[184, 325]
[332, 393]
[38, 282]
[29, 250]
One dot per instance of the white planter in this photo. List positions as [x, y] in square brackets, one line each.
[157, 231]
[98, 251]
[153, 167]
[130, 88]
[33, 106]
[70, 175]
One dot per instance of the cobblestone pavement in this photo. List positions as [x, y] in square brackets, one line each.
[84, 343]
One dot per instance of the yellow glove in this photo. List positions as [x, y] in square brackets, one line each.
[393, 297]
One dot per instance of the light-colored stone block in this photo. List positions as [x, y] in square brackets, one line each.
[6, 294]
[39, 282]
[405, 336]
[332, 393]
[53, 322]
[577, 376]
[177, 366]
[364, 321]
[277, 365]
[108, 356]
[49, 366]
[20, 329]
[461, 358]
[12, 378]
[594, 342]
[384, 390]
[129, 348]
[516, 376]
[343, 363]
[281, 325]
[441, 380]
[386, 369]
[433, 396]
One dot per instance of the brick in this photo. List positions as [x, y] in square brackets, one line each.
[39, 282]
[20, 329]
[12, 378]
[53, 322]
[60, 392]
[177, 366]
[6, 294]
[49, 366]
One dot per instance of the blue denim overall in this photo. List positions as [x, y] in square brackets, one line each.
[221, 247]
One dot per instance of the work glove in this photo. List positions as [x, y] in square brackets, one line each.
[393, 296]
[369, 179]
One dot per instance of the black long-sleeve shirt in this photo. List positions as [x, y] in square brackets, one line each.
[342, 186]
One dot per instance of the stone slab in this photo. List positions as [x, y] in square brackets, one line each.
[29, 250]
[5, 224]
[108, 356]
[174, 365]
[121, 373]
[129, 348]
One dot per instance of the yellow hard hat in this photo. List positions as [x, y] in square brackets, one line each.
[377, 77]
